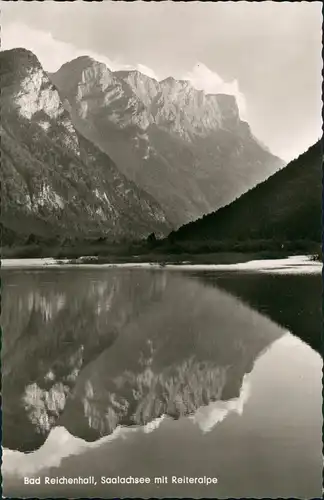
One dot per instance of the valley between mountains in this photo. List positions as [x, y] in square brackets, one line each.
[96, 162]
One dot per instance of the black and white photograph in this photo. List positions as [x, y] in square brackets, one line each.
[161, 249]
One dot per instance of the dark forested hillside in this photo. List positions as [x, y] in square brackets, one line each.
[285, 207]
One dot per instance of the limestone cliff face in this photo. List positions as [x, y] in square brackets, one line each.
[54, 181]
[131, 98]
[190, 150]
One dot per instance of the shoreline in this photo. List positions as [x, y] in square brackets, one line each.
[292, 264]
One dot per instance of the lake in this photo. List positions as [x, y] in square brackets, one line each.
[176, 379]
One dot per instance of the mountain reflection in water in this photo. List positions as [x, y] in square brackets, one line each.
[104, 355]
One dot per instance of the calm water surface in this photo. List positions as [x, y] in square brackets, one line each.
[157, 374]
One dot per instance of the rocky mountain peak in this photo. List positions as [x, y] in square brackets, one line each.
[79, 64]
[142, 86]
[18, 60]
[29, 90]
[132, 98]
[52, 177]
[133, 74]
[80, 72]
[187, 148]
[27, 84]
[171, 82]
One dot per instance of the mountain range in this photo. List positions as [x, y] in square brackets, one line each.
[89, 153]
[54, 181]
[286, 207]
[189, 150]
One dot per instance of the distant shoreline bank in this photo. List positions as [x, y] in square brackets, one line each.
[290, 264]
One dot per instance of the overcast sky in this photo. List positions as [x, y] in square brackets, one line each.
[268, 54]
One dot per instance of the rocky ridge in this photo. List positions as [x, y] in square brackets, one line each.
[188, 149]
[54, 181]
